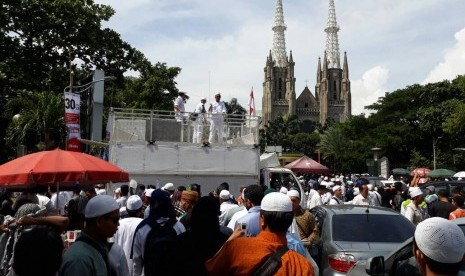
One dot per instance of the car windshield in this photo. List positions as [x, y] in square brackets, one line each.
[371, 228]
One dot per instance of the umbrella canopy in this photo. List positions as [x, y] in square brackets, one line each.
[460, 174]
[66, 168]
[441, 173]
[421, 172]
[400, 171]
[306, 164]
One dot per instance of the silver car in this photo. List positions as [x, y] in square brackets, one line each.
[399, 262]
[350, 233]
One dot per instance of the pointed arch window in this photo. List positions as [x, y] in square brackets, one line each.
[334, 90]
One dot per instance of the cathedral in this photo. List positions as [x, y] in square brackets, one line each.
[332, 98]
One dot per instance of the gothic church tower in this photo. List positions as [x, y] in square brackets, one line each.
[279, 96]
[332, 88]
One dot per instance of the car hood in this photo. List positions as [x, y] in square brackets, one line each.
[372, 248]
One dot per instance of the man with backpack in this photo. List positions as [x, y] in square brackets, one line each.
[155, 248]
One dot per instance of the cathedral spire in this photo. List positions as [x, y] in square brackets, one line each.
[332, 43]
[345, 67]
[279, 44]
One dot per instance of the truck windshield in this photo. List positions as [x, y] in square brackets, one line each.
[283, 179]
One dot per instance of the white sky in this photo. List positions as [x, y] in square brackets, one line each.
[222, 46]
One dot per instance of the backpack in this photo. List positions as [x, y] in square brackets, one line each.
[161, 249]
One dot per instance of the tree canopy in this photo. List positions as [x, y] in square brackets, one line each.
[41, 41]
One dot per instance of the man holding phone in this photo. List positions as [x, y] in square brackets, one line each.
[250, 223]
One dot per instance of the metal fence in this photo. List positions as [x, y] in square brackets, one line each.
[166, 126]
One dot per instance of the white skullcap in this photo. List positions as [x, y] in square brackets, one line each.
[123, 211]
[356, 191]
[224, 194]
[276, 202]
[337, 187]
[333, 179]
[100, 205]
[326, 178]
[441, 240]
[415, 191]
[203, 99]
[370, 187]
[293, 193]
[133, 183]
[283, 190]
[101, 192]
[148, 192]
[168, 187]
[134, 203]
[118, 190]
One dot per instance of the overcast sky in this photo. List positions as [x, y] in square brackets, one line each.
[222, 46]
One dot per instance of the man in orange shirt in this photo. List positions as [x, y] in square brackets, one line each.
[457, 201]
[243, 256]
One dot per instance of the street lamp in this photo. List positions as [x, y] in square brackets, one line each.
[435, 141]
[375, 151]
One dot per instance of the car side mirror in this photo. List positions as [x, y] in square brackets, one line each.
[375, 266]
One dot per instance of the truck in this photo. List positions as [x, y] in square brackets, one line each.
[155, 147]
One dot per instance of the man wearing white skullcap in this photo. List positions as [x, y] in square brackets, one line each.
[439, 247]
[243, 256]
[127, 227]
[336, 197]
[413, 211]
[225, 205]
[89, 254]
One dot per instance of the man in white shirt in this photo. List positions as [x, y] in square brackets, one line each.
[60, 206]
[127, 227]
[373, 196]
[217, 109]
[316, 198]
[198, 123]
[179, 108]
[226, 205]
[124, 195]
[363, 197]
[336, 198]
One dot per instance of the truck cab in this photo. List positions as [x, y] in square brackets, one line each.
[276, 178]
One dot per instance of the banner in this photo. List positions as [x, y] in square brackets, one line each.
[72, 112]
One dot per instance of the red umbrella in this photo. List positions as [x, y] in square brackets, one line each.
[306, 164]
[421, 172]
[64, 168]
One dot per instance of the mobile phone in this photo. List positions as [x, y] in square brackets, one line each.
[244, 226]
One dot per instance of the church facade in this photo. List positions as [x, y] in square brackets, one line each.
[332, 97]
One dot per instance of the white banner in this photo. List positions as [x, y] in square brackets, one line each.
[72, 111]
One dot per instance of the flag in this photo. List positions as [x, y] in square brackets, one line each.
[251, 104]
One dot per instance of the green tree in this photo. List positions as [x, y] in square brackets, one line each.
[333, 144]
[305, 143]
[40, 124]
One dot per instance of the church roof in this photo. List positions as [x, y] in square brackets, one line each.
[307, 96]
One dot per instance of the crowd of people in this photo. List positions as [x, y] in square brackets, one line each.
[177, 231]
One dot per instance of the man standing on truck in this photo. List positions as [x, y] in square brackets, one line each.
[179, 108]
[198, 123]
[217, 110]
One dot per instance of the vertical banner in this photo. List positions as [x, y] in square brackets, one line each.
[72, 112]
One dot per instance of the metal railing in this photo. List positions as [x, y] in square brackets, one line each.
[167, 126]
